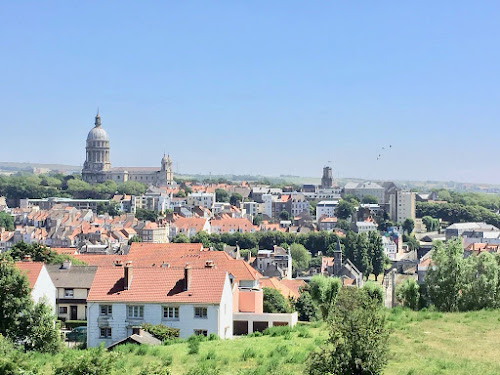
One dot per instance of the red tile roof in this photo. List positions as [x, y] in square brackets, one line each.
[161, 285]
[31, 270]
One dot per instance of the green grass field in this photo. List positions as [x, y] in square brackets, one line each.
[420, 343]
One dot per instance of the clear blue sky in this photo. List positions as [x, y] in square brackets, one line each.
[268, 87]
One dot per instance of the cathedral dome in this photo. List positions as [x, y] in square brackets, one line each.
[97, 133]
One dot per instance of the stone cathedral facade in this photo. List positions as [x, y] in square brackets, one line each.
[97, 167]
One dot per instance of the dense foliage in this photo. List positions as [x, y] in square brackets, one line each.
[457, 212]
[274, 302]
[358, 341]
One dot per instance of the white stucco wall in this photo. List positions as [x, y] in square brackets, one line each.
[44, 287]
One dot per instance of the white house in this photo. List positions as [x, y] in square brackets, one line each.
[205, 200]
[365, 226]
[196, 301]
[326, 209]
[39, 280]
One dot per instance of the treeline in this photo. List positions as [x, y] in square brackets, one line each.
[366, 252]
[457, 212]
[489, 201]
[455, 283]
[21, 186]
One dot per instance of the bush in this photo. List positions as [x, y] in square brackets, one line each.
[248, 353]
[204, 369]
[70, 324]
[408, 294]
[193, 345]
[155, 370]
[94, 361]
[161, 332]
[277, 331]
[274, 302]
[375, 292]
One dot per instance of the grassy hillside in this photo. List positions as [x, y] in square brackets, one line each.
[421, 343]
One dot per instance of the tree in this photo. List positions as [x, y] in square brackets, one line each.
[15, 300]
[37, 252]
[134, 238]
[430, 223]
[377, 254]
[203, 238]
[413, 243]
[305, 307]
[374, 292]
[408, 225]
[358, 340]
[361, 255]
[300, 257]
[344, 209]
[369, 199]
[445, 279]
[180, 238]
[284, 215]
[43, 332]
[143, 214]
[324, 292]
[343, 224]
[235, 199]
[274, 302]
[221, 195]
[6, 221]
[257, 220]
[408, 293]
[131, 188]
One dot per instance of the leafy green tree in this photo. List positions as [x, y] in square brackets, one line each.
[131, 188]
[324, 292]
[37, 252]
[284, 215]
[235, 199]
[413, 243]
[358, 340]
[377, 255]
[305, 307]
[344, 209]
[6, 221]
[369, 199]
[43, 333]
[408, 293]
[143, 214]
[374, 292]
[257, 220]
[430, 223]
[481, 279]
[181, 194]
[408, 225]
[300, 257]
[203, 238]
[180, 238]
[134, 238]
[361, 255]
[274, 302]
[221, 195]
[445, 279]
[343, 224]
[15, 300]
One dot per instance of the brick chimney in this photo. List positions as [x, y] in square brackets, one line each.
[127, 275]
[187, 276]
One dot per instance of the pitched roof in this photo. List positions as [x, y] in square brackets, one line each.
[31, 270]
[274, 283]
[74, 277]
[160, 285]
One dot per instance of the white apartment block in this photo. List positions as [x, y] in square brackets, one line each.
[205, 200]
[326, 208]
[405, 206]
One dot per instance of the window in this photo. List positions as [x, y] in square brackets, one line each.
[105, 332]
[135, 312]
[106, 310]
[63, 310]
[201, 332]
[68, 293]
[200, 312]
[170, 312]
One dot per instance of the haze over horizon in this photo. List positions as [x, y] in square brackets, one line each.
[257, 88]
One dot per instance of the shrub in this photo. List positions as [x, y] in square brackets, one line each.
[374, 291]
[204, 369]
[155, 370]
[161, 332]
[277, 331]
[94, 361]
[274, 302]
[248, 353]
[408, 294]
[70, 324]
[193, 345]
[212, 337]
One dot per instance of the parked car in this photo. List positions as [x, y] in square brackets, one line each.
[77, 334]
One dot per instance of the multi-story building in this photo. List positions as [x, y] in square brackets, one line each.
[152, 232]
[361, 190]
[274, 263]
[73, 285]
[402, 206]
[196, 301]
[205, 200]
[326, 209]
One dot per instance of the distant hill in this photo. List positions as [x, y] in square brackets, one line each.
[28, 167]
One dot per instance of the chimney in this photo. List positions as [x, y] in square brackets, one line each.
[66, 264]
[209, 264]
[27, 258]
[187, 276]
[127, 275]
